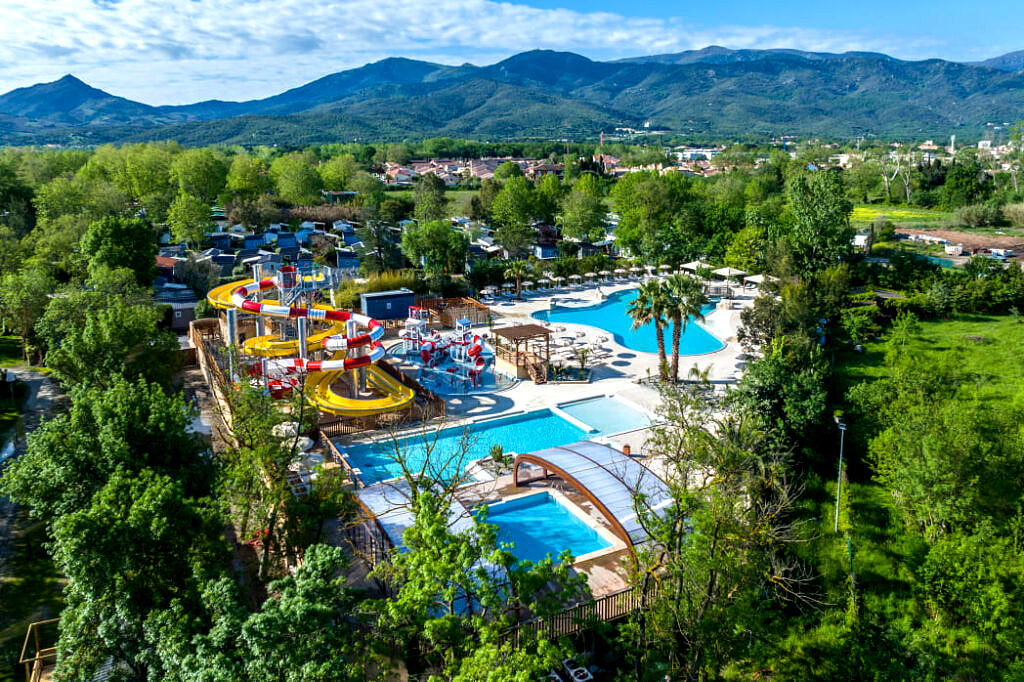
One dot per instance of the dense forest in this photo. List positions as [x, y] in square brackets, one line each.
[761, 569]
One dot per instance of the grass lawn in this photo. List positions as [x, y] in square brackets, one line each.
[457, 198]
[10, 351]
[988, 347]
[30, 591]
[9, 408]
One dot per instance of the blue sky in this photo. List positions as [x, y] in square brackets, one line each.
[178, 51]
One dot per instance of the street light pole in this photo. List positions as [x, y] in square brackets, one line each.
[839, 487]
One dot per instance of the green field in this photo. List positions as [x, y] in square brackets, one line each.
[901, 216]
[32, 590]
[10, 351]
[457, 198]
[988, 348]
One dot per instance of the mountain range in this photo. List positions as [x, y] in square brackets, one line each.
[713, 92]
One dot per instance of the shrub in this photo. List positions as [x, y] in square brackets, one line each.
[1014, 214]
[348, 292]
[978, 215]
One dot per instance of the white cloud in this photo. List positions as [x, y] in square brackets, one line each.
[176, 51]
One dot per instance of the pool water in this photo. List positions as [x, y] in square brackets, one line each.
[611, 316]
[607, 415]
[518, 433]
[539, 525]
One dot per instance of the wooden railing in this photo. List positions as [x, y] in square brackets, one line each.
[577, 618]
[44, 659]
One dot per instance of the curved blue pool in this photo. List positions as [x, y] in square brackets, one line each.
[538, 525]
[611, 316]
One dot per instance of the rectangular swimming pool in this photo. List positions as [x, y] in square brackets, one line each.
[607, 414]
[539, 525]
[518, 433]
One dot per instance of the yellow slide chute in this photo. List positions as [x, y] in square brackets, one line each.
[395, 395]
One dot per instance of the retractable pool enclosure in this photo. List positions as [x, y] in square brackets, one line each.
[616, 484]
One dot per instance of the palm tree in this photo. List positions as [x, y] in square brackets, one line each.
[650, 306]
[685, 298]
[517, 269]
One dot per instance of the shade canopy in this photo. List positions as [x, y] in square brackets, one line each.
[729, 272]
[542, 280]
[760, 279]
[610, 480]
[589, 274]
[696, 265]
[527, 283]
[619, 271]
[664, 267]
[635, 269]
[575, 277]
[604, 273]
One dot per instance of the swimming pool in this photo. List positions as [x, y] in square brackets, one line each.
[517, 433]
[539, 525]
[611, 316]
[607, 414]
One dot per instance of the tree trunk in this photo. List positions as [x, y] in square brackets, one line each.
[659, 329]
[677, 333]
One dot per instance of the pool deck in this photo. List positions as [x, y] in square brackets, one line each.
[724, 366]
[621, 373]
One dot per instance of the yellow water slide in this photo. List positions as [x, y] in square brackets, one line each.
[396, 395]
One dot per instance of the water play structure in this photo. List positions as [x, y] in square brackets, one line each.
[459, 353]
[348, 341]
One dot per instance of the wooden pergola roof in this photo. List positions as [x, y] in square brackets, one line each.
[523, 331]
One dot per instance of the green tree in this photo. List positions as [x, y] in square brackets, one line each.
[517, 270]
[684, 300]
[301, 633]
[512, 213]
[821, 234]
[24, 294]
[248, 177]
[121, 338]
[369, 191]
[378, 251]
[189, 219]
[431, 203]
[719, 548]
[437, 245]
[508, 170]
[199, 173]
[548, 198]
[651, 307]
[583, 213]
[121, 242]
[130, 551]
[459, 592]
[119, 426]
[296, 180]
[784, 392]
[966, 184]
[338, 172]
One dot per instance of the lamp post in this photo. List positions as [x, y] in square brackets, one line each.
[839, 487]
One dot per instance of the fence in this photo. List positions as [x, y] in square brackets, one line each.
[367, 543]
[448, 310]
[577, 618]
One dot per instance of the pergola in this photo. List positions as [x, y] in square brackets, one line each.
[613, 482]
[524, 346]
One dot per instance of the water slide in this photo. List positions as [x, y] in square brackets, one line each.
[320, 374]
